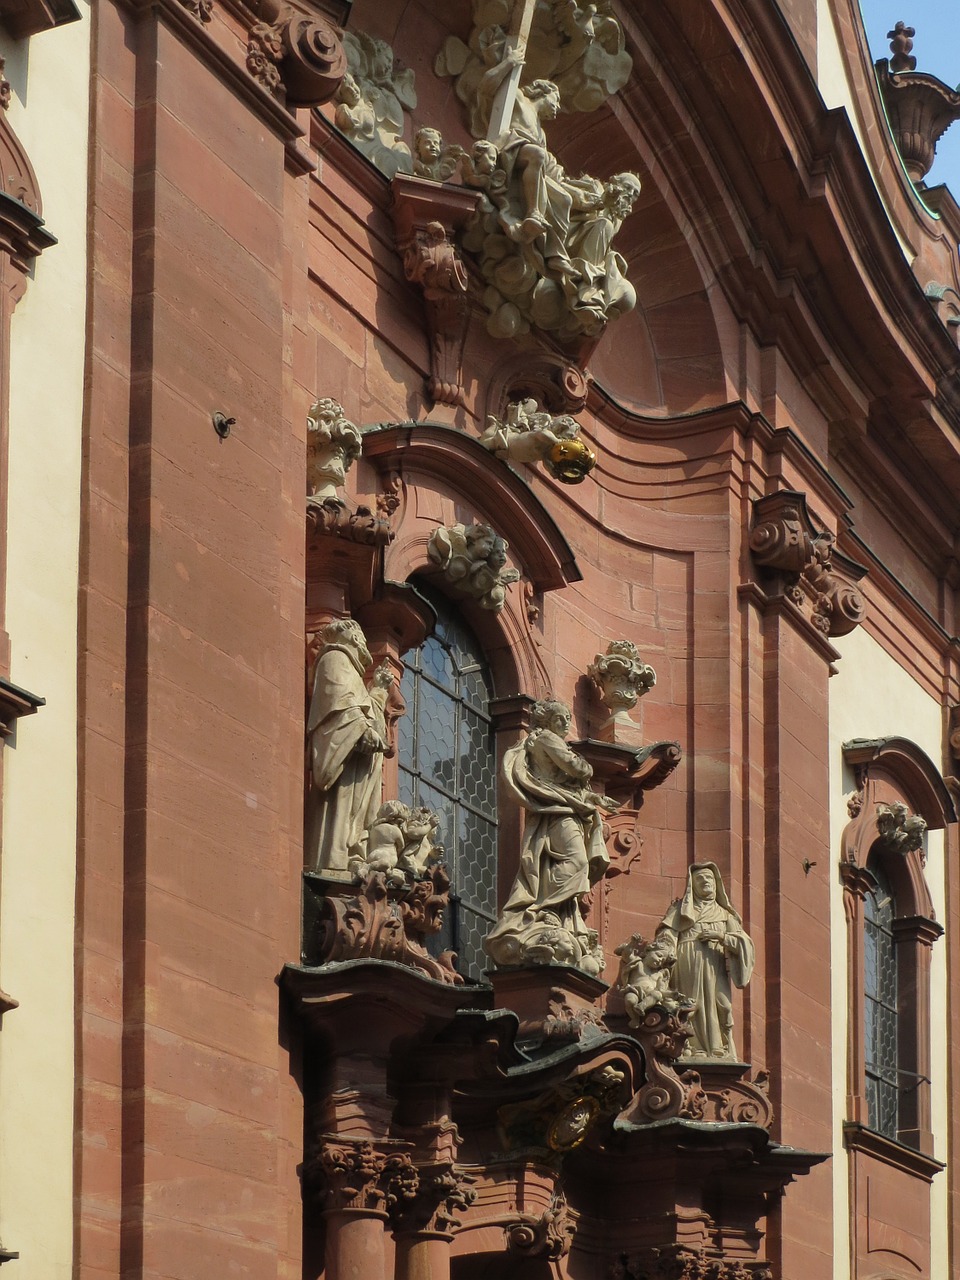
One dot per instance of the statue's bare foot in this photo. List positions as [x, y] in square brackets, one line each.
[532, 227]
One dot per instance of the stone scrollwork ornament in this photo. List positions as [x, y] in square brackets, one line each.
[527, 434]
[371, 102]
[563, 853]
[713, 955]
[473, 560]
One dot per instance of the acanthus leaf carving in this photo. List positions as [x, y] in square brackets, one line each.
[547, 1236]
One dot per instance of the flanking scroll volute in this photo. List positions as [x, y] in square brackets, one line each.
[299, 57]
[803, 563]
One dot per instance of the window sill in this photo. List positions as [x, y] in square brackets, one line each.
[857, 1137]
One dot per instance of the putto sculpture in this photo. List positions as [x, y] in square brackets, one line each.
[713, 955]
[346, 740]
[473, 559]
[622, 678]
[563, 852]
[371, 101]
[527, 434]
[402, 843]
[645, 977]
[333, 445]
[431, 159]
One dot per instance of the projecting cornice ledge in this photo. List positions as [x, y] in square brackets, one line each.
[14, 703]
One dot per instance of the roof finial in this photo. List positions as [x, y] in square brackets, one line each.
[901, 45]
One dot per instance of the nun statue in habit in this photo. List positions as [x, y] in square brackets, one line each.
[346, 739]
[713, 952]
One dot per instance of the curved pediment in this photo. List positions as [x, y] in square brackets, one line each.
[441, 453]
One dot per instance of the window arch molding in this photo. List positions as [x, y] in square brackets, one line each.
[897, 784]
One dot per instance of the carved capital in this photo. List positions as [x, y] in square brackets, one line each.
[804, 564]
[347, 1176]
[378, 920]
[443, 1193]
[681, 1262]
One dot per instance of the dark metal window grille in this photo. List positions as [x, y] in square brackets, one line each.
[448, 763]
[880, 1007]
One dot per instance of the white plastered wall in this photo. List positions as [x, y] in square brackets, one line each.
[873, 697]
[50, 76]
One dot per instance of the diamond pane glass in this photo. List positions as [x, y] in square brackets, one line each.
[881, 1017]
[447, 762]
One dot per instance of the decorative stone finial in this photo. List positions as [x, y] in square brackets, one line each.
[901, 46]
[473, 559]
[563, 851]
[713, 954]
[623, 678]
[526, 434]
[333, 445]
[920, 107]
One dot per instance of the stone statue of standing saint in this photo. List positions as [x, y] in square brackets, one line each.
[346, 739]
[563, 851]
[713, 955]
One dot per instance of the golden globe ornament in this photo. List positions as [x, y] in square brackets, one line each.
[570, 461]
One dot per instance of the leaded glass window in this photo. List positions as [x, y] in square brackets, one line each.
[448, 763]
[880, 1006]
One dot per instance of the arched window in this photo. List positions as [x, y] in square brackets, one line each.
[447, 762]
[880, 1004]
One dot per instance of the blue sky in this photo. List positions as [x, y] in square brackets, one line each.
[936, 48]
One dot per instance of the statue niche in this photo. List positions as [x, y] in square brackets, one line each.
[563, 852]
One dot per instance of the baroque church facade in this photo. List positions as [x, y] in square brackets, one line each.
[479, 687]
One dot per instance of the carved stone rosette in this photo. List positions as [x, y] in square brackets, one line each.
[804, 565]
[378, 921]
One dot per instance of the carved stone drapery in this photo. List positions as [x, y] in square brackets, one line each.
[427, 216]
[371, 101]
[804, 564]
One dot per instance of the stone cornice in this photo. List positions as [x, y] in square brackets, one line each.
[857, 1137]
[14, 703]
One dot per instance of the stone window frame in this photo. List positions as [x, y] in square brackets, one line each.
[890, 772]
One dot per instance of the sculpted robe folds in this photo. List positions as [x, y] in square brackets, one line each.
[346, 736]
[563, 854]
[713, 952]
